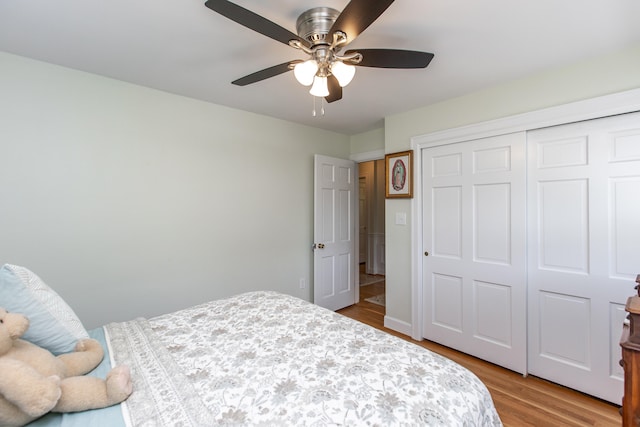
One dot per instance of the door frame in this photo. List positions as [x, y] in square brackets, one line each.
[359, 158]
[608, 105]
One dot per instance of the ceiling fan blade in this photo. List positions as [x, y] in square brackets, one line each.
[265, 74]
[392, 58]
[335, 90]
[357, 16]
[253, 21]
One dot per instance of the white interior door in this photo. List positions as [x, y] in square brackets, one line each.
[584, 249]
[334, 233]
[474, 230]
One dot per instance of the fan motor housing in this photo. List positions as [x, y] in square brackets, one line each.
[314, 24]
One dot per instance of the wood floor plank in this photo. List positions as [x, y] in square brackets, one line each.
[520, 401]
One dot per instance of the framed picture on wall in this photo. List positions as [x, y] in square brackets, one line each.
[399, 175]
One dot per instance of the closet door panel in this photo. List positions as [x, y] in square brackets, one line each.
[447, 222]
[474, 233]
[563, 225]
[563, 334]
[583, 249]
[625, 230]
[492, 223]
[447, 302]
[493, 313]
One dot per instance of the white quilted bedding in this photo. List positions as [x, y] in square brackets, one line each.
[264, 358]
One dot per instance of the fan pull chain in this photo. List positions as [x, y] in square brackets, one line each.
[314, 112]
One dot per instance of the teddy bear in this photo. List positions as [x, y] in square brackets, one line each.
[33, 381]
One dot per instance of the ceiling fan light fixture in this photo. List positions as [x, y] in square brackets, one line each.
[305, 72]
[322, 35]
[319, 88]
[343, 72]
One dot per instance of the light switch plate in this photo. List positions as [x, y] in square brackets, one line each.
[401, 218]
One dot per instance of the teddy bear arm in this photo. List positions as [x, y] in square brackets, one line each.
[24, 387]
[17, 379]
[12, 416]
[86, 392]
[84, 359]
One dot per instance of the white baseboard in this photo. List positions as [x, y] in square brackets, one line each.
[397, 325]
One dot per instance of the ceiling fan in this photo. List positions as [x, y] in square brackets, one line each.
[323, 33]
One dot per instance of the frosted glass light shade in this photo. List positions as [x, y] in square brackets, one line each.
[319, 87]
[305, 72]
[343, 72]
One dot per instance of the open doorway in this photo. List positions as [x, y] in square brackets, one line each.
[372, 231]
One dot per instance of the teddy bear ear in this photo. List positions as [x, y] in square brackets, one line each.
[17, 329]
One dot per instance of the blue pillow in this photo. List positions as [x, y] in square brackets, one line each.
[53, 324]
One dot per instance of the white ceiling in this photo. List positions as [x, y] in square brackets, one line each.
[183, 47]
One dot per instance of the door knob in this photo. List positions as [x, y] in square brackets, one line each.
[426, 254]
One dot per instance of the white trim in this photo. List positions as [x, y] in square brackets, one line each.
[365, 157]
[397, 325]
[356, 238]
[608, 105]
[416, 247]
[359, 158]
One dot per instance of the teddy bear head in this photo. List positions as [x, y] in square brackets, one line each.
[12, 327]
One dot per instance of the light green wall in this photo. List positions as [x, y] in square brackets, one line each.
[604, 75]
[366, 142]
[608, 74]
[133, 202]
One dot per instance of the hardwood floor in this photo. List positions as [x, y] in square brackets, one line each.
[520, 401]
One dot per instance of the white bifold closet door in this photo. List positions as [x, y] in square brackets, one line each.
[583, 249]
[474, 229]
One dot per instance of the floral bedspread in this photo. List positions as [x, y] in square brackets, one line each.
[264, 358]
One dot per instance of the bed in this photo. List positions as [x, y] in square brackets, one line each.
[265, 358]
